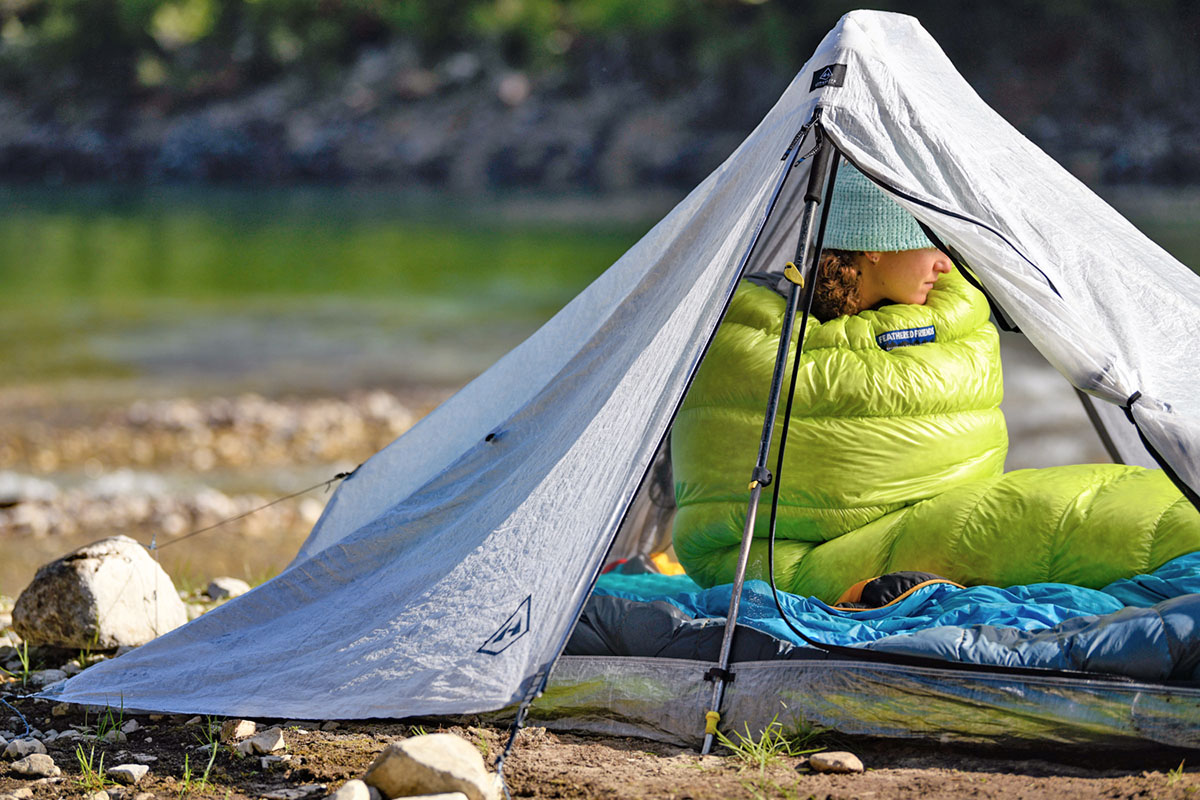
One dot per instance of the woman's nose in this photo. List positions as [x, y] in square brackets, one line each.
[942, 265]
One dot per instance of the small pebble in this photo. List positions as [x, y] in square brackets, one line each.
[264, 743]
[20, 748]
[37, 765]
[836, 761]
[128, 774]
[233, 730]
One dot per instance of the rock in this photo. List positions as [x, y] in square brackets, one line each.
[45, 677]
[837, 761]
[352, 790]
[99, 795]
[71, 668]
[24, 793]
[37, 765]
[226, 588]
[144, 758]
[128, 774]
[60, 710]
[234, 729]
[19, 748]
[102, 596]
[436, 762]
[194, 721]
[266, 762]
[115, 736]
[143, 796]
[331, 725]
[131, 726]
[264, 743]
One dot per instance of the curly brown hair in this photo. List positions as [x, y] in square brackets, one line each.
[836, 293]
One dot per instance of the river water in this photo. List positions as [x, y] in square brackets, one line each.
[110, 297]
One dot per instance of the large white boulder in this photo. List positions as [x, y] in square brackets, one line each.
[105, 595]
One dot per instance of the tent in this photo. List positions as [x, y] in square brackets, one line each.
[448, 572]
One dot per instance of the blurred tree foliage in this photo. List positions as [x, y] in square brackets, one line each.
[1125, 50]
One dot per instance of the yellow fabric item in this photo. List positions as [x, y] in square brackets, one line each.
[667, 564]
[895, 462]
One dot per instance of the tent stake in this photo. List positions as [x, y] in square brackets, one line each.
[761, 477]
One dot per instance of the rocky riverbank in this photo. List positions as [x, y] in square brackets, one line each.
[160, 470]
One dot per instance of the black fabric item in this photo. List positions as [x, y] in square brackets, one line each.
[616, 626]
[887, 588]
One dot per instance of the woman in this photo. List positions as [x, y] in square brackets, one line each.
[896, 443]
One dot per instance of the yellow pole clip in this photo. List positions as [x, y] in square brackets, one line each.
[711, 720]
[753, 485]
[793, 274]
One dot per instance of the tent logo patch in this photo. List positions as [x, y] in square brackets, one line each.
[832, 75]
[902, 338]
[516, 626]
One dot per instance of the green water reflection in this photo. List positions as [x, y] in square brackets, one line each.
[258, 287]
[106, 283]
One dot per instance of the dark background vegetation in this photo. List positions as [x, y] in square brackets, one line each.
[551, 94]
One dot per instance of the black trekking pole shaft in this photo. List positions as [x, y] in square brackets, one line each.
[761, 476]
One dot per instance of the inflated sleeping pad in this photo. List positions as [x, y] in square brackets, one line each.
[1140, 628]
[895, 461]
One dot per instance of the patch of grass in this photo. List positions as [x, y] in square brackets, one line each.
[106, 722]
[765, 789]
[770, 746]
[417, 730]
[86, 654]
[209, 738]
[109, 721]
[91, 770]
[1175, 775]
[26, 665]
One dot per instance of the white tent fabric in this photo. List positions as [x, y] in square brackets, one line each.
[447, 573]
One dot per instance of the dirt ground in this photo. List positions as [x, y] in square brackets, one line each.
[544, 764]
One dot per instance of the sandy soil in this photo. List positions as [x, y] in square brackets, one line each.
[544, 764]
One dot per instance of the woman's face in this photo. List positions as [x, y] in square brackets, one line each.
[901, 277]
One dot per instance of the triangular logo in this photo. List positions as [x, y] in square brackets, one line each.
[516, 626]
[832, 75]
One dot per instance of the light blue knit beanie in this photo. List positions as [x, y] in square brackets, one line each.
[862, 217]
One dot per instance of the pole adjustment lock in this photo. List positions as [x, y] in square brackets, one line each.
[717, 673]
[793, 274]
[760, 477]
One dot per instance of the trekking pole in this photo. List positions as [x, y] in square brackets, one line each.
[761, 477]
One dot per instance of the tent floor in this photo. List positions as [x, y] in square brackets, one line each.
[665, 700]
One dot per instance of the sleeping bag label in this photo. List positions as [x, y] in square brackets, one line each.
[516, 626]
[902, 338]
[833, 75]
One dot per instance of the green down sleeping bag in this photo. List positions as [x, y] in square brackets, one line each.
[895, 461]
